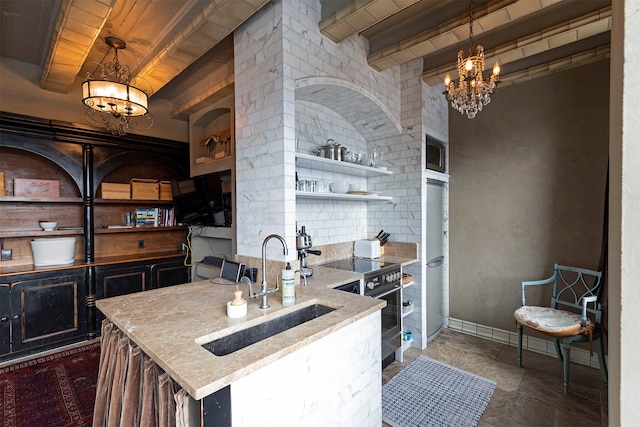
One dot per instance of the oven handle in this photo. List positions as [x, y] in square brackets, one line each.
[395, 288]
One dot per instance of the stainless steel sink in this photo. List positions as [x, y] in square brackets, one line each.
[245, 337]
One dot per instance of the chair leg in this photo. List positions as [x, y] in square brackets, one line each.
[556, 341]
[566, 355]
[602, 360]
[519, 346]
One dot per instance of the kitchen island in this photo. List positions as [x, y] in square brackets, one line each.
[326, 370]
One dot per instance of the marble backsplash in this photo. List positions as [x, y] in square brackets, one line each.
[331, 252]
[345, 250]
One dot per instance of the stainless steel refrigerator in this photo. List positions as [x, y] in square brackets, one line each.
[435, 258]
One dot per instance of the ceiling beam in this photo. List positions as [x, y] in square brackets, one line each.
[582, 58]
[77, 27]
[200, 101]
[489, 18]
[209, 27]
[547, 39]
[358, 15]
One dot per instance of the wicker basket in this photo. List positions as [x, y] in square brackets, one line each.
[406, 278]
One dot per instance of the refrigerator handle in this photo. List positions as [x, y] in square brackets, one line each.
[435, 262]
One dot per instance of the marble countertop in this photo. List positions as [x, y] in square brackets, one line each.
[171, 324]
[331, 277]
[403, 261]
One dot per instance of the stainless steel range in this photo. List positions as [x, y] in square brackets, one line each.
[381, 280]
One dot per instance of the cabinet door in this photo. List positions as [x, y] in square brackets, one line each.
[169, 273]
[5, 320]
[46, 309]
[122, 279]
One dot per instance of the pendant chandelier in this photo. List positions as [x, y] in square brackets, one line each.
[111, 100]
[473, 91]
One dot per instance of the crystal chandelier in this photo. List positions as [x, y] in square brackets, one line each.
[111, 100]
[473, 91]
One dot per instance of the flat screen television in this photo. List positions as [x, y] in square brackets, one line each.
[199, 201]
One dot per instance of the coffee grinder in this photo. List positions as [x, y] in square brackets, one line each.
[303, 245]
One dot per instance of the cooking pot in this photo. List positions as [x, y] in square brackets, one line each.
[332, 151]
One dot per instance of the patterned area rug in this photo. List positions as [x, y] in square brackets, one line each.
[53, 390]
[430, 393]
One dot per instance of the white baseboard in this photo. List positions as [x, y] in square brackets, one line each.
[535, 344]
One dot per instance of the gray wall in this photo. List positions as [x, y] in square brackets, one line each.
[527, 189]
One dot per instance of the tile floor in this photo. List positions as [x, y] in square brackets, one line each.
[527, 396]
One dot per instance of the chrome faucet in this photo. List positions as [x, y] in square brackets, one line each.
[246, 280]
[265, 291]
[302, 276]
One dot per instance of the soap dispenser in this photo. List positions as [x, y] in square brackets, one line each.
[288, 286]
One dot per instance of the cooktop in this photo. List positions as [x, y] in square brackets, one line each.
[359, 265]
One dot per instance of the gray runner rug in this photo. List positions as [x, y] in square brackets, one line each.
[430, 393]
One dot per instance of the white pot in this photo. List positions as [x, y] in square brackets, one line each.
[53, 251]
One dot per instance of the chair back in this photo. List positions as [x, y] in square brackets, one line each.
[571, 285]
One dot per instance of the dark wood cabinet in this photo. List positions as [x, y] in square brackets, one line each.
[43, 310]
[127, 278]
[122, 279]
[80, 161]
[170, 272]
[5, 320]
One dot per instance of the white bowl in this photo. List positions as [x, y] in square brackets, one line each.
[339, 187]
[48, 225]
[53, 251]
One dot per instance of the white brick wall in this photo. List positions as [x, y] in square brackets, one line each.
[276, 47]
[328, 221]
[265, 135]
[335, 381]
[287, 77]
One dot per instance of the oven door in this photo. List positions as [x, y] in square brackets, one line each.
[391, 321]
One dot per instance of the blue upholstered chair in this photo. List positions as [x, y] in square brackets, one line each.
[574, 315]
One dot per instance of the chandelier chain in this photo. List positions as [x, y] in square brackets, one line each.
[122, 73]
[471, 28]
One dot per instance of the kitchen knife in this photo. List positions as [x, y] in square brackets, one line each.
[379, 236]
[384, 238]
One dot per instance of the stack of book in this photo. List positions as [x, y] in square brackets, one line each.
[154, 217]
[147, 217]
